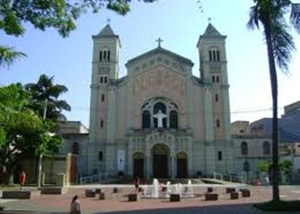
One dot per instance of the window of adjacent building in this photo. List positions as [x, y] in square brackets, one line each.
[101, 124]
[218, 123]
[213, 78]
[100, 156]
[146, 119]
[217, 79]
[101, 79]
[104, 55]
[75, 148]
[266, 148]
[105, 79]
[214, 55]
[102, 97]
[244, 148]
[219, 155]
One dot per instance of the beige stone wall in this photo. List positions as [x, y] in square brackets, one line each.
[198, 114]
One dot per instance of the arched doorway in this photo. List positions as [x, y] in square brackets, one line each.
[160, 161]
[138, 164]
[181, 165]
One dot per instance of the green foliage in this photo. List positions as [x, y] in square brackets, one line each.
[57, 14]
[263, 166]
[45, 96]
[278, 206]
[8, 55]
[22, 131]
[283, 165]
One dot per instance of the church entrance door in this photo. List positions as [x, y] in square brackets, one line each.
[181, 165]
[138, 165]
[160, 161]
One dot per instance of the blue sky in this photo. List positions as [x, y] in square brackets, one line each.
[179, 23]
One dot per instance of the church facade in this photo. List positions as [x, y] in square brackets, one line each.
[160, 120]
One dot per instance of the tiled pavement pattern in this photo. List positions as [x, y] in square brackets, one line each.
[117, 203]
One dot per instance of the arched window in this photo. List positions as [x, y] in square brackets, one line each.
[173, 120]
[218, 123]
[75, 148]
[146, 120]
[100, 156]
[159, 112]
[101, 124]
[244, 148]
[102, 97]
[266, 148]
[214, 55]
[104, 55]
[160, 107]
[216, 97]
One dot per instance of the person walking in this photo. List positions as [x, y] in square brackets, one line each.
[75, 205]
[137, 183]
[22, 179]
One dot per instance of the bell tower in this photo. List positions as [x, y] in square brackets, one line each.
[213, 73]
[105, 72]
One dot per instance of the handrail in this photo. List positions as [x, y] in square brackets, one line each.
[89, 179]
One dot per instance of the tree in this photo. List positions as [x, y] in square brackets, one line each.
[271, 15]
[17, 122]
[8, 55]
[58, 14]
[46, 104]
[44, 98]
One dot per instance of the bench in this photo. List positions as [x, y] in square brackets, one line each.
[174, 197]
[53, 190]
[97, 190]
[245, 192]
[101, 196]
[115, 190]
[90, 193]
[210, 189]
[132, 197]
[230, 190]
[17, 194]
[211, 196]
[234, 195]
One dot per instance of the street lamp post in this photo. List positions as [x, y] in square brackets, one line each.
[40, 161]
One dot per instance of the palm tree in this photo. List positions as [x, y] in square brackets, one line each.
[8, 56]
[45, 98]
[45, 102]
[271, 15]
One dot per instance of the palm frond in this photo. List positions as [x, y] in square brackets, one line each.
[8, 56]
[283, 45]
[295, 16]
[254, 18]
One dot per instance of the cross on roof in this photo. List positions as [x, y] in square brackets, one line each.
[108, 21]
[159, 41]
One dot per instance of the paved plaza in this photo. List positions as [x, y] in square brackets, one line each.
[117, 203]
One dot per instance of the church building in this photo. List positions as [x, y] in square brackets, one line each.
[160, 120]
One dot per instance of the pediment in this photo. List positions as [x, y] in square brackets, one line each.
[159, 57]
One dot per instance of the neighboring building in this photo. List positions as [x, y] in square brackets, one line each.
[253, 141]
[160, 120]
[75, 136]
[251, 147]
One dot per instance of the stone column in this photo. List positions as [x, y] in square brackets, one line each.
[172, 166]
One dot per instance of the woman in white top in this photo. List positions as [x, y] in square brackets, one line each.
[75, 205]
